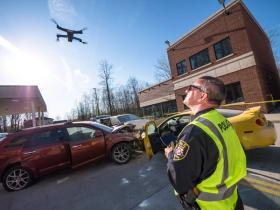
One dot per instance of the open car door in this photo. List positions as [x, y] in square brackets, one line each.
[153, 142]
[151, 135]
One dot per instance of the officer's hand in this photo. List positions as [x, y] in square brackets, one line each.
[168, 149]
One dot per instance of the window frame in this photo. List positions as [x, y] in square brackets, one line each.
[223, 48]
[234, 92]
[81, 129]
[197, 58]
[179, 66]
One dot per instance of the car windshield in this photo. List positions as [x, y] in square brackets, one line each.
[127, 117]
[105, 128]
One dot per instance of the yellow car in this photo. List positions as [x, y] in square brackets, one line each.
[252, 128]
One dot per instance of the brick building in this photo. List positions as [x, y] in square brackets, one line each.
[158, 99]
[232, 47]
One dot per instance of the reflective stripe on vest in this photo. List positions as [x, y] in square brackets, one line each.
[223, 191]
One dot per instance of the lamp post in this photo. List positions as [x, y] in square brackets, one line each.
[222, 2]
[167, 42]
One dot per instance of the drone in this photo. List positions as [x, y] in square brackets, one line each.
[70, 33]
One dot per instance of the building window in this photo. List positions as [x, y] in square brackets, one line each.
[222, 48]
[234, 93]
[158, 110]
[200, 59]
[181, 67]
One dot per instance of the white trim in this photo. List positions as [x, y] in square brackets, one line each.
[229, 55]
[207, 64]
[165, 82]
[158, 100]
[241, 62]
[181, 75]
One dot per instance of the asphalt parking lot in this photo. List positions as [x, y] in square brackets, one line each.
[140, 184]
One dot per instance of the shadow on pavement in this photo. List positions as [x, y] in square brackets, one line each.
[266, 159]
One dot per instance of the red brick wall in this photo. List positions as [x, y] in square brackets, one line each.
[257, 82]
[266, 66]
[221, 27]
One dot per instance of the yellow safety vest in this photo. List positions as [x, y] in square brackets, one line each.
[219, 191]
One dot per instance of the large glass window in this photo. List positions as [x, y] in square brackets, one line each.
[200, 59]
[181, 67]
[234, 93]
[223, 48]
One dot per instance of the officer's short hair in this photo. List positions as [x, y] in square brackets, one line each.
[214, 88]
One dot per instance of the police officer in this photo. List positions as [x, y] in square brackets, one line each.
[208, 160]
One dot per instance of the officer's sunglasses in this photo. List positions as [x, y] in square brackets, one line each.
[190, 87]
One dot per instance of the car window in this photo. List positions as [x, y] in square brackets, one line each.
[184, 119]
[81, 133]
[17, 142]
[102, 127]
[151, 129]
[105, 121]
[128, 117]
[44, 138]
[114, 120]
[172, 121]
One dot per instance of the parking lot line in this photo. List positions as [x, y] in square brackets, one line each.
[262, 186]
[263, 183]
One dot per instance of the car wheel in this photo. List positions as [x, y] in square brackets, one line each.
[121, 153]
[16, 178]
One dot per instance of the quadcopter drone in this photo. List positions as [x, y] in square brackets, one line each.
[70, 33]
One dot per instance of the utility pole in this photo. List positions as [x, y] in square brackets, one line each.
[96, 102]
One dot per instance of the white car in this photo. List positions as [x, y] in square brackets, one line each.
[129, 119]
[3, 135]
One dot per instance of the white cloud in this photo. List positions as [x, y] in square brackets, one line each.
[62, 9]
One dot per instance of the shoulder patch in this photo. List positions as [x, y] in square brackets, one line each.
[181, 150]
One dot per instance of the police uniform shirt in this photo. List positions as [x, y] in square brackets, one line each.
[194, 158]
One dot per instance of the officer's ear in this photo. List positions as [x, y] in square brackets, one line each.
[204, 96]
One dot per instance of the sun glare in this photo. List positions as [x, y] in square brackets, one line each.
[27, 68]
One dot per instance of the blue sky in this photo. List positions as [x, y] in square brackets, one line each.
[129, 34]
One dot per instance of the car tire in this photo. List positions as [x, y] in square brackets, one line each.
[121, 153]
[16, 178]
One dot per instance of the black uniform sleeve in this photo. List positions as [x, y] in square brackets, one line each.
[198, 163]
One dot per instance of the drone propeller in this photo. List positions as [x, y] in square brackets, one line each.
[54, 21]
[85, 28]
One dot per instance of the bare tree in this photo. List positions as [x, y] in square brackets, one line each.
[105, 73]
[95, 101]
[162, 69]
[125, 98]
[134, 86]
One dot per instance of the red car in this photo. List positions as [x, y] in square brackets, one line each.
[33, 152]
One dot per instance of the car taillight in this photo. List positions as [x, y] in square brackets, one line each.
[260, 122]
